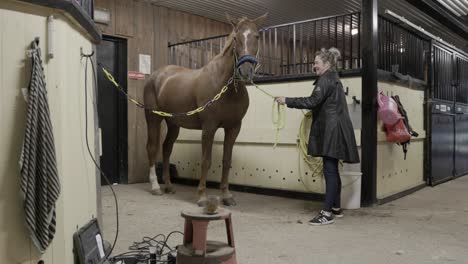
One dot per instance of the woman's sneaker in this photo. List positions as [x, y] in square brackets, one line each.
[323, 218]
[338, 213]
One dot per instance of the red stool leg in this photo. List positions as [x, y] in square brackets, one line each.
[230, 233]
[200, 229]
[188, 231]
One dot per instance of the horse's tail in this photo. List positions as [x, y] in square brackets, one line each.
[150, 93]
[153, 124]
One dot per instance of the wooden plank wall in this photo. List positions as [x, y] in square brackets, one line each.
[148, 29]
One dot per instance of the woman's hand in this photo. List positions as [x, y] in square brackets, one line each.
[281, 100]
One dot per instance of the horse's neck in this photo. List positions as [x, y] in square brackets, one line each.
[221, 67]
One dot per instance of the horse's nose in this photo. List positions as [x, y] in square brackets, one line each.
[251, 71]
[246, 70]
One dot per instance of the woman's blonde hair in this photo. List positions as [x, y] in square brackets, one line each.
[330, 55]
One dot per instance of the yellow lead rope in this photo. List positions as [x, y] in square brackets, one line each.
[279, 120]
[161, 113]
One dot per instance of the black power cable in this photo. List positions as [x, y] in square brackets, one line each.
[139, 251]
[89, 57]
[149, 249]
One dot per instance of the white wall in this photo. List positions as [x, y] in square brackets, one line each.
[394, 173]
[255, 161]
[19, 25]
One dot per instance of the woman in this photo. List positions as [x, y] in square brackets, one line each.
[331, 134]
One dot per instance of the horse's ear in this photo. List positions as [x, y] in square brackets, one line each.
[260, 21]
[231, 20]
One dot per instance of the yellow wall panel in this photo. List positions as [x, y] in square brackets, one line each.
[19, 24]
[394, 173]
[254, 146]
[255, 161]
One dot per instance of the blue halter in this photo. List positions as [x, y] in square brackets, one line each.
[246, 58]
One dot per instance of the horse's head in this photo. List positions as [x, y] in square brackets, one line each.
[246, 44]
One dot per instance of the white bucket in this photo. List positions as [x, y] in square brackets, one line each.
[350, 189]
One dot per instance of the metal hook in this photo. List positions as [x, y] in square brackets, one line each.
[85, 55]
[34, 47]
[355, 100]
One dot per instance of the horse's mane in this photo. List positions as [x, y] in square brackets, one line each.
[229, 43]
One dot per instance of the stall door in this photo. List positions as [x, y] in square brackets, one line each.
[461, 140]
[442, 142]
[112, 110]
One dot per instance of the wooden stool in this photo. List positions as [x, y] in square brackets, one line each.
[196, 249]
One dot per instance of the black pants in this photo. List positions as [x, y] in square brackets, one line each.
[332, 182]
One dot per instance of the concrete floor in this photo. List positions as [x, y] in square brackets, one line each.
[429, 226]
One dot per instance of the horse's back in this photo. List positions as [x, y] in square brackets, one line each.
[171, 89]
[158, 77]
[156, 84]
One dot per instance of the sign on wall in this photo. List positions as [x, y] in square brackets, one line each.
[145, 63]
[136, 75]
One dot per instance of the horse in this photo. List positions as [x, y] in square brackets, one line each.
[175, 89]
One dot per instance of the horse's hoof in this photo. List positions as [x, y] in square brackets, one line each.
[169, 190]
[229, 201]
[156, 192]
[202, 202]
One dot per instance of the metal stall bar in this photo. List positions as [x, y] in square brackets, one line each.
[369, 100]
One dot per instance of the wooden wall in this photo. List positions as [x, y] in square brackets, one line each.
[148, 29]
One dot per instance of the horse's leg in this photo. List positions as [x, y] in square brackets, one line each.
[230, 136]
[153, 123]
[207, 145]
[172, 134]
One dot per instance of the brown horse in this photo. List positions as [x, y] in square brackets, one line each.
[176, 89]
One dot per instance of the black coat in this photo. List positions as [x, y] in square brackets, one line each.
[332, 132]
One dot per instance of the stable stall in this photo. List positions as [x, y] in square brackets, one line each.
[413, 49]
[404, 38]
